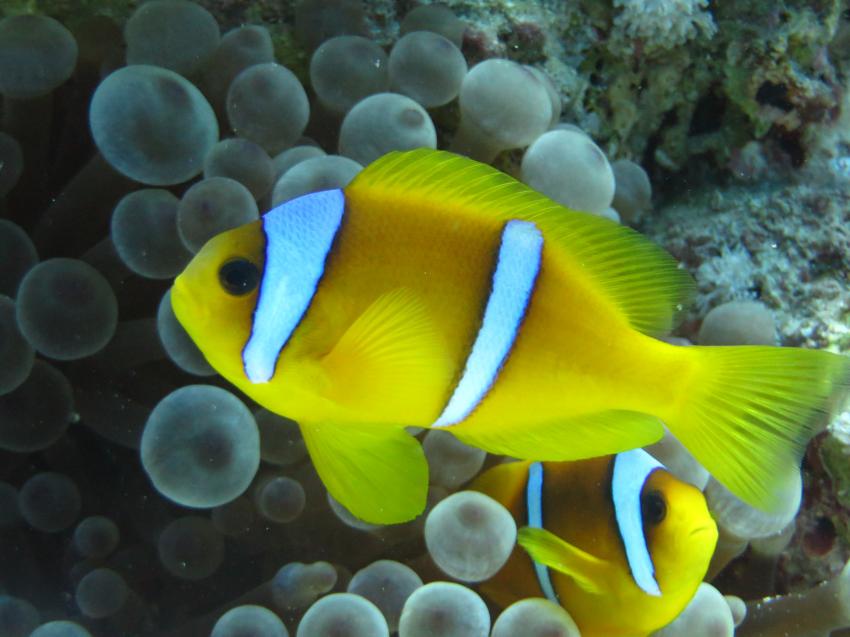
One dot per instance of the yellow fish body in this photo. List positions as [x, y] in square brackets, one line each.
[437, 291]
[618, 541]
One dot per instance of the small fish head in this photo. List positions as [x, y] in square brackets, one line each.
[680, 533]
[215, 296]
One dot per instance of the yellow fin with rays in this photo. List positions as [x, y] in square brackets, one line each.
[548, 549]
[642, 282]
[749, 412]
[575, 438]
[394, 347]
[378, 473]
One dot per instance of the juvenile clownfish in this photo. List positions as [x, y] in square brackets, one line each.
[618, 541]
[435, 291]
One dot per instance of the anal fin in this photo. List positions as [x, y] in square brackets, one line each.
[586, 436]
[548, 549]
[378, 473]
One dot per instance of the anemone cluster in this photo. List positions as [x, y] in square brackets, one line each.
[136, 501]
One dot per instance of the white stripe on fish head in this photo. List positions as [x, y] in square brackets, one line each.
[631, 470]
[299, 235]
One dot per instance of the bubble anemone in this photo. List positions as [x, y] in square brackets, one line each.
[179, 346]
[172, 34]
[152, 125]
[569, 168]
[96, 537]
[50, 501]
[343, 613]
[10, 512]
[144, 232]
[281, 442]
[12, 161]
[280, 499]
[292, 156]
[212, 206]
[445, 609]
[503, 105]
[738, 323]
[17, 256]
[346, 69]
[15, 352]
[821, 610]
[200, 446]
[313, 175]
[37, 54]
[240, 48]
[632, 190]
[267, 104]
[427, 68]
[298, 585]
[247, 620]
[534, 617]
[66, 309]
[706, 615]
[554, 96]
[101, 593]
[190, 548]
[382, 123]
[736, 517]
[243, 161]
[346, 517]
[18, 618]
[37, 413]
[470, 536]
[60, 628]
[436, 19]
[450, 462]
[233, 518]
[387, 584]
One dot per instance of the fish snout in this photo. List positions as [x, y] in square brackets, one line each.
[185, 303]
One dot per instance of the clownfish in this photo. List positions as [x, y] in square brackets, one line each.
[436, 291]
[618, 541]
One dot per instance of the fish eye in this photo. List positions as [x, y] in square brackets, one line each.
[653, 507]
[239, 277]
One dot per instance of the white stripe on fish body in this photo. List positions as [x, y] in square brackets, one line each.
[631, 470]
[299, 235]
[534, 506]
[514, 278]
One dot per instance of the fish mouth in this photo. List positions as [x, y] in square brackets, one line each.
[182, 298]
[700, 530]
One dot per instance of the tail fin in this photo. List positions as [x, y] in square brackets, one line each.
[750, 411]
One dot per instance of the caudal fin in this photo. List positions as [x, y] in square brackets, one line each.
[749, 412]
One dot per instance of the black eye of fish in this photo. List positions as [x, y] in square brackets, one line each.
[653, 508]
[239, 277]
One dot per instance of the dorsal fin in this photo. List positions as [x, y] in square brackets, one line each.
[640, 279]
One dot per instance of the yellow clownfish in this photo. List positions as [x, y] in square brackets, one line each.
[435, 291]
[618, 541]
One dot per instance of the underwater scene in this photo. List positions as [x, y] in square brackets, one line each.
[480, 318]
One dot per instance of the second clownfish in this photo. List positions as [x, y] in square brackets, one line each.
[618, 541]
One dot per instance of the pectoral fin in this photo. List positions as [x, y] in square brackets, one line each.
[378, 473]
[394, 351]
[551, 551]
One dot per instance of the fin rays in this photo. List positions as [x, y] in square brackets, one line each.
[641, 281]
